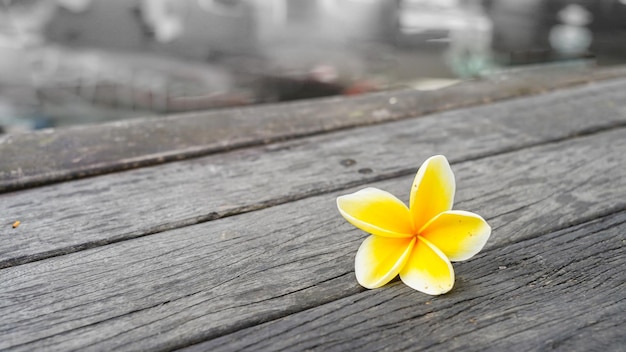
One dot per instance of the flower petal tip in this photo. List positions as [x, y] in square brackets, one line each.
[432, 191]
[376, 212]
[380, 259]
[458, 234]
[428, 270]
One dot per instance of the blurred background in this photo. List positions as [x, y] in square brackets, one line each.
[68, 62]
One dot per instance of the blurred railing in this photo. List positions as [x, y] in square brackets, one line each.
[81, 61]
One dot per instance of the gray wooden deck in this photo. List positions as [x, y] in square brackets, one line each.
[219, 232]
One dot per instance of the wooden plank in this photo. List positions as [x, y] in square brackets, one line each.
[38, 158]
[68, 217]
[187, 285]
[562, 291]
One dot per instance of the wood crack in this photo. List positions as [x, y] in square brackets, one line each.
[271, 203]
[555, 234]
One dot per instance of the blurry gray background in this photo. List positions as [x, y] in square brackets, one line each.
[65, 62]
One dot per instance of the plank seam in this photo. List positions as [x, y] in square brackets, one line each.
[573, 226]
[6, 263]
[197, 152]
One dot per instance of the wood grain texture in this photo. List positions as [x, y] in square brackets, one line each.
[563, 291]
[178, 287]
[33, 159]
[72, 216]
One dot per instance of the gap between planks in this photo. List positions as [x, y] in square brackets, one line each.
[576, 284]
[50, 156]
[4, 263]
[83, 214]
[207, 280]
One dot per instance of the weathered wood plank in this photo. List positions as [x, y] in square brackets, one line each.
[67, 217]
[199, 282]
[55, 155]
[564, 290]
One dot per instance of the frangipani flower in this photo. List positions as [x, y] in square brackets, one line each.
[418, 242]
